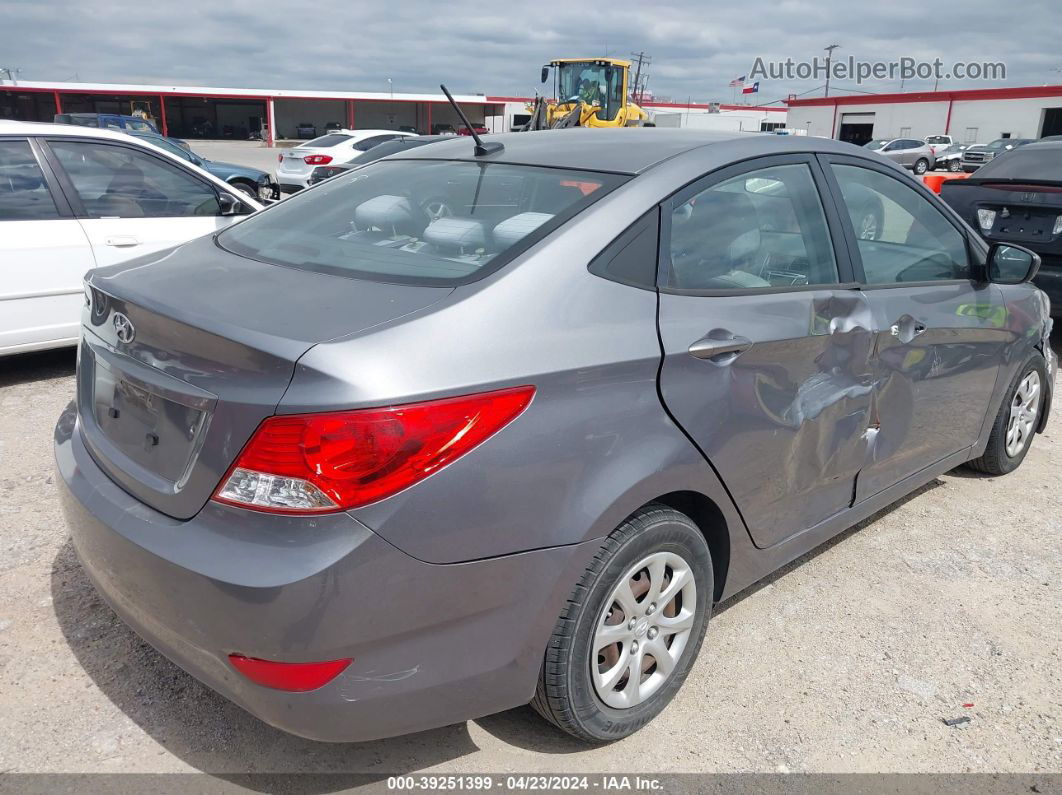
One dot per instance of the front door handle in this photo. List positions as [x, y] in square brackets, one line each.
[122, 241]
[709, 347]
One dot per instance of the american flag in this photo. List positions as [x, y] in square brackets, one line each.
[737, 82]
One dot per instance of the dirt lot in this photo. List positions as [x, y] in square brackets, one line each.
[846, 661]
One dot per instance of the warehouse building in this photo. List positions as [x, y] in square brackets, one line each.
[970, 116]
[237, 113]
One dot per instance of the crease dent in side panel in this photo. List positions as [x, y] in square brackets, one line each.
[832, 412]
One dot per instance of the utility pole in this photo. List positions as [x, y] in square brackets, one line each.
[638, 87]
[829, 56]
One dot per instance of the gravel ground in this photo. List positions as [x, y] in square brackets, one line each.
[846, 661]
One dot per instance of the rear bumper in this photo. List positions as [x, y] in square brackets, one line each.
[432, 644]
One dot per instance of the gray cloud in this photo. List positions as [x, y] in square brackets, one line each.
[697, 47]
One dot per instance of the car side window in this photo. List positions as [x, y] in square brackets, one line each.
[368, 143]
[763, 228]
[24, 194]
[901, 236]
[121, 182]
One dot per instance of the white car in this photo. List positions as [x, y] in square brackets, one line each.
[938, 143]
[77, 198]
[339, 146]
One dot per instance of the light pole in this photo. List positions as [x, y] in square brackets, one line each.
[391, 87]
[829, 57]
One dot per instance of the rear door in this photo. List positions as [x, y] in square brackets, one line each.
[44, 254]
[941, 334]
[132, 202]
[766, 341]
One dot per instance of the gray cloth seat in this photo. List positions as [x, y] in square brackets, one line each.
[393, 215]
[512, 230]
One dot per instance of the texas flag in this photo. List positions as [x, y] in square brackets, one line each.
[754, 88]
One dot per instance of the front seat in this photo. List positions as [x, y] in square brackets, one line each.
[715, 243]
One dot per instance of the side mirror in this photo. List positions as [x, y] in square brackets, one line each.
[545, 74]
[230, 205]
[1010, 264]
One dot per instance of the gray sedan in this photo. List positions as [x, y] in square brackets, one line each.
[908, 152]
[367, 470]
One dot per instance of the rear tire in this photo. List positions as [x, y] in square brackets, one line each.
[921, 166]
[1015, 424]
[648, 591]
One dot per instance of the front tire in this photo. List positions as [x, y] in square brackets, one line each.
[1015, 425]
[954, 166]
[631, 629]
[245, 189]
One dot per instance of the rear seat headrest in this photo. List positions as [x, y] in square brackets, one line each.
[512, 230]
[456, 233]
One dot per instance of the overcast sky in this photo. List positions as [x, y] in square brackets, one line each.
[497, 48]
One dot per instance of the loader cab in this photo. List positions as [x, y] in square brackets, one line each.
[602, 83]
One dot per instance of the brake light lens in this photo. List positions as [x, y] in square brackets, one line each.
[320, 463]
[293, 677]
[317, 160]
[280, 158]
[986, 218]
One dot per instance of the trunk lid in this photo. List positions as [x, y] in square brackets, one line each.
[185, 354]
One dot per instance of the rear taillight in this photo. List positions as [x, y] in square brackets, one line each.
[318, 463]
[293, 677]
[317, 160]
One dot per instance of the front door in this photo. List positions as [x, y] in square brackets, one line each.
[767, 344]
[132, 201]
[941, 334]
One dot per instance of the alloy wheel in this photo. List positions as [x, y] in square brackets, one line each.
[1024, 408]
[643, 630]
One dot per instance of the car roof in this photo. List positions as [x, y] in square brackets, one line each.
[631, 150]
[1054, 143]
[9, 127]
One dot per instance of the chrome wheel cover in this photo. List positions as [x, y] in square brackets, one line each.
[643, 630]
[1024, 409]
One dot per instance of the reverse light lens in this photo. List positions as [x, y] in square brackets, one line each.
[1057, 230]
[319, 463]
[986, 218]
[293, 677]
[317, 160]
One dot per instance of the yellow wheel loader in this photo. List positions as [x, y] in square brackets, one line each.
[587, 92]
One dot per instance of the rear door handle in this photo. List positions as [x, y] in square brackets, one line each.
[122, 241]
[709, 347]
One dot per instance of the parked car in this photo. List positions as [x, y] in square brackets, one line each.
[306, 130]
[72, 198]
[950, 159]
[908, 152]
[938, 143]
[1017, 197]
[332, 126]
[253, 182]
[106, 121]
[404, 472]
[478, 128]
[976, 156]
[321, 173]
[296, 164]
[443, 128]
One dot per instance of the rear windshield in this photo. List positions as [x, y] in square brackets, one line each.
[440, 222]
[327, 140]
[938, 139]
[1023, 163]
